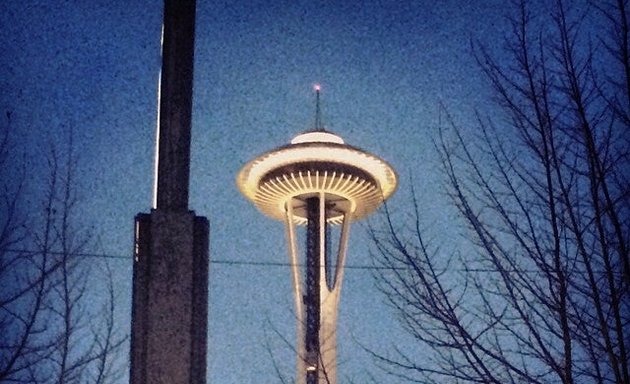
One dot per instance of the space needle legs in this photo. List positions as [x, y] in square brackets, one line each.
[316, 301]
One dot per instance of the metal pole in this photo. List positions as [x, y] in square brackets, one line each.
[297, 290]
[313, 244]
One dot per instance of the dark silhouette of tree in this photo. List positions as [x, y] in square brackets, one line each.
[539, 292]
[53, 328]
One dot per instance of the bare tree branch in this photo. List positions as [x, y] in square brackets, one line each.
[544, 200]
[46, 307]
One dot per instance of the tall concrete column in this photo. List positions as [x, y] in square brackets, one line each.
[175, 103]
[170, 277]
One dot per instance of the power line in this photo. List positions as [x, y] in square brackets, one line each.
[282, 264]
[266, 263]
[212, 261]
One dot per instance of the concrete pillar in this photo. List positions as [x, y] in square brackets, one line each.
[170, 293]
[170, 277]
[175, 113]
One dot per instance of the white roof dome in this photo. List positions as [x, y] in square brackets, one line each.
[317, 137]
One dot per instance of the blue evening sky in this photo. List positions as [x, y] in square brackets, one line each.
[384, 66]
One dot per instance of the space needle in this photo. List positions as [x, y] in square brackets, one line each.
[317, 184]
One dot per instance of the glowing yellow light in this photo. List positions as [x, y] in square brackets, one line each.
[317, 137]
[317, 162]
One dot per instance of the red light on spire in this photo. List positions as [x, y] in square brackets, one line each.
[317, 87]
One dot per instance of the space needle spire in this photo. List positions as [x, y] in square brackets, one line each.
[318, 110]
[316, 184]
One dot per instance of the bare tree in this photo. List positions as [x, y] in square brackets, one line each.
[52, 330]
[540, 290]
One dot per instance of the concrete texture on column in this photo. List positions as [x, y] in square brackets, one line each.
[176, 84]
[169, 324]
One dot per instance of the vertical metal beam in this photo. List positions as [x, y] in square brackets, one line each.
[313, 265]
[297, 291]
[175, 113]
[341, 253]
[294, 259]
[322, 287]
